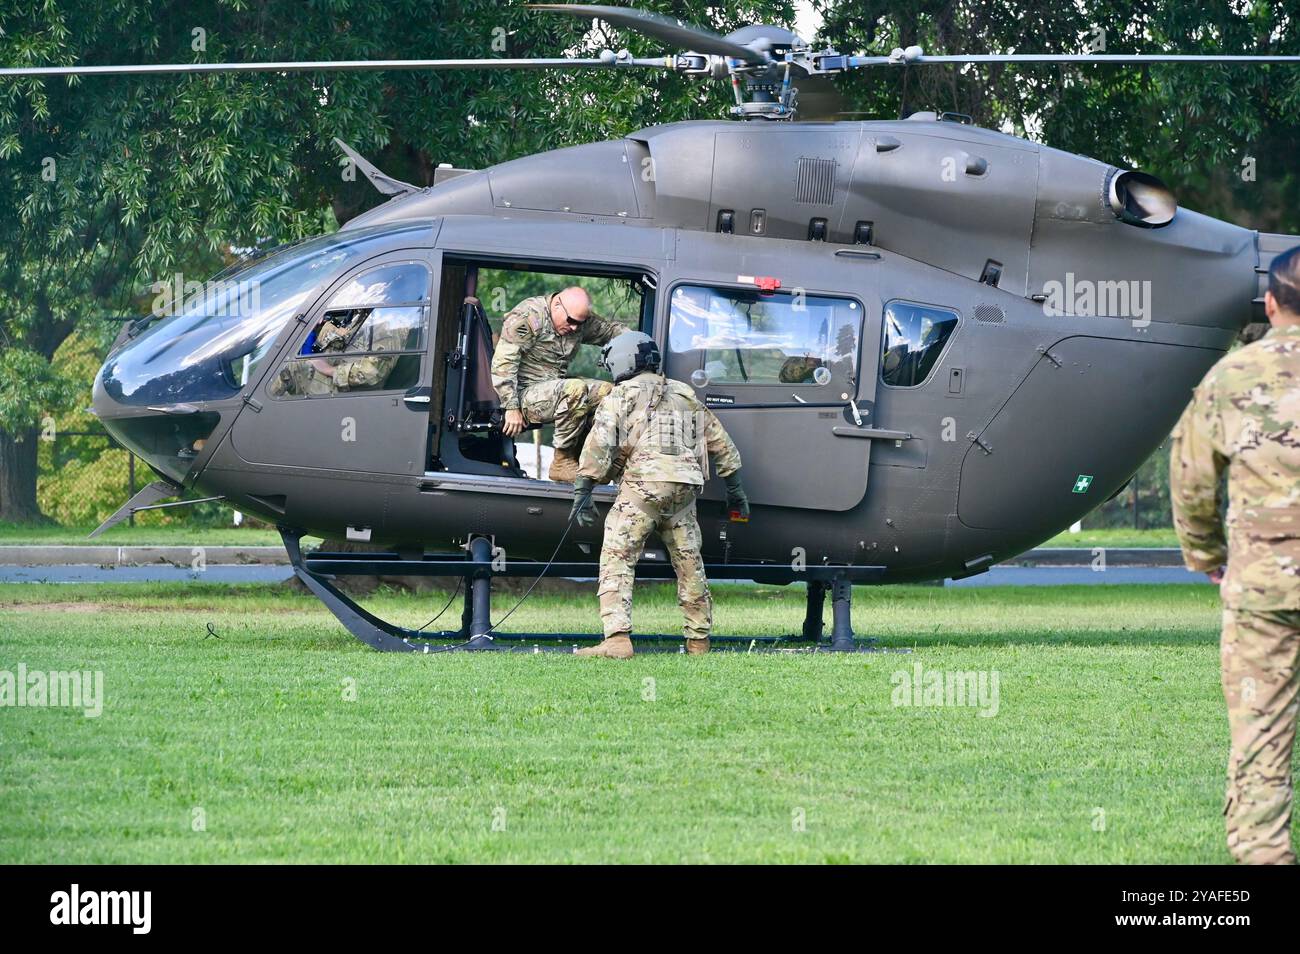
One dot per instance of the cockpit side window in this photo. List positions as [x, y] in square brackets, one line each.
[915, 336]
[209, 343]
[385, 285]
[370, 336]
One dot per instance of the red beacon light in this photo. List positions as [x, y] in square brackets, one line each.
[767, 284]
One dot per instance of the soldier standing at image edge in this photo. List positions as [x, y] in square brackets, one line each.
[1245, 419]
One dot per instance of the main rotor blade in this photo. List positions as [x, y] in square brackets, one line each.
[682, 35]
[852, 62]
[609, 61]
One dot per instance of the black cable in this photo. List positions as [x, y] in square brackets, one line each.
[459, 583]
[567, 527]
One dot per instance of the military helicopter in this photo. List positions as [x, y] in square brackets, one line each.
[935, 345]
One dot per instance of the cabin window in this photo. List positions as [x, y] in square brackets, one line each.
[748, 337]
[369, 338]
[915, 336]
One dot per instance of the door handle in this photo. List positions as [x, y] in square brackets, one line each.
[857, 414]
[871, 433]
[417, 398]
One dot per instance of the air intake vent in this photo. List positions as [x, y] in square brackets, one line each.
[990, 314]
[816, 185]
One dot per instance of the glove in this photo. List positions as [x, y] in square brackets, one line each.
[584, 511]
[737, 501]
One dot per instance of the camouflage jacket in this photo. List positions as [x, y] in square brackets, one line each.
[530, 351]
[300, 376]
[1244, 418]
[655, 429]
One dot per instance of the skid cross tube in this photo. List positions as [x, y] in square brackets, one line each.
[476, 567]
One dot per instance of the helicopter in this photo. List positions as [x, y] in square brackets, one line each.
[935, 345]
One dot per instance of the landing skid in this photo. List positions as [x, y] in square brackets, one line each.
[318, 570]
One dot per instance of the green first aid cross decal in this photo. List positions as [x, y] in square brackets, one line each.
[1082, 483]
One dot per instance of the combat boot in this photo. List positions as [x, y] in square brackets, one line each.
[615, 647]
[697, 647]
[564, 466]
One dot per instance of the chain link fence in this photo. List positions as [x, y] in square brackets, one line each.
[83, 476]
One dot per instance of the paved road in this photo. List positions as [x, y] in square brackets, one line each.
[997, 576]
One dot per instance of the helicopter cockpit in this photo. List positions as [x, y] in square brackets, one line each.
[163, 388]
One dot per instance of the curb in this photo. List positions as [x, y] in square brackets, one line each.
[79, 555]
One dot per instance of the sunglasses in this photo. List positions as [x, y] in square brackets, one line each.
[568, 318]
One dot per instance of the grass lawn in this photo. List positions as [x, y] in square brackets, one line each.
[1161, 537]
[1107, 745]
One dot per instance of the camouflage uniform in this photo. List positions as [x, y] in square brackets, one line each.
[659, 437]
[530, 364]
[301, 377]
[1245, 418]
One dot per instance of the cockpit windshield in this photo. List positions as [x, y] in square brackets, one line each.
[216, 334]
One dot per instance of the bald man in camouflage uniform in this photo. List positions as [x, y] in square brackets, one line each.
[657, 436]
[1245, 419]
[329, 371]
[539, 338]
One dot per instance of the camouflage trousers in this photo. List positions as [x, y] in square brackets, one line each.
[569, 402]
[1259, 652]
[642, 508]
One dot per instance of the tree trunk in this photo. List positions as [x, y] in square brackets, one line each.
[18, 478]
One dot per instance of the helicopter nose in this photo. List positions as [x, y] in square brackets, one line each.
[167, 437]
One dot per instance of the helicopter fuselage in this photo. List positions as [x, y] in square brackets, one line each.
[934, 345]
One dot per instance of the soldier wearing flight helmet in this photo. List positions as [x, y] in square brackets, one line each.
[657, 439]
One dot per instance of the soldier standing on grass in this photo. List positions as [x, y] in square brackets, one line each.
[656, 435]
[1245, 419]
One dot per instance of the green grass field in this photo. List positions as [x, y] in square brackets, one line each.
[1115, 537]
[1107, 745]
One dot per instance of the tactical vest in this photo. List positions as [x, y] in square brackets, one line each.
[665, 430]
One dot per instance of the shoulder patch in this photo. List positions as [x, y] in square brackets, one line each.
[512, 328]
